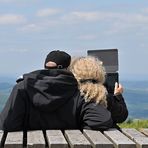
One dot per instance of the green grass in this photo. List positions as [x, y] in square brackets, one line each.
[134, 123]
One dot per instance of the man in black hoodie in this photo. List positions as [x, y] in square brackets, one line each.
[49, 99]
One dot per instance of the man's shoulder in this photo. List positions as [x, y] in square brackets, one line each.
[35, 72]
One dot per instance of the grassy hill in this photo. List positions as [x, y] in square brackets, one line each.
[134, 123]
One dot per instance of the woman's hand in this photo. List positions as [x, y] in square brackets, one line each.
[118, 89]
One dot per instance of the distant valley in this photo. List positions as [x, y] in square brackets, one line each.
[135, 94]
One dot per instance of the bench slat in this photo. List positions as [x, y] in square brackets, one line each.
[14, 140]
[140, 139]
[1, 134]
[119, 140]
[56, 139]
[144, 131]
[97, 139]
[35, 139]
[76, 139]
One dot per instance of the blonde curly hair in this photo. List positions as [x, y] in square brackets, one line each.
[90, 74]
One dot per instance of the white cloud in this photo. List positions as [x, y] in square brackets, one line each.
[114, 21]
[87, 37]
[13, 1]
[11, 19]
[80, 16]
[31, 27]
[14, 50]
[48, 12]
[88, 16]
[133, 18]
[91, 16]
[105, 16]
[6, 0]
[145, 10]
[39, 26]
[127, 23]
[19, 50]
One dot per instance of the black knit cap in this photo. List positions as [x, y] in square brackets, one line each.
[61, 58]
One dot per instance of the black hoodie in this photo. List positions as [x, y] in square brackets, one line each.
[50, 99]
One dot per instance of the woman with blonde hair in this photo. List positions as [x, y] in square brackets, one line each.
[90, 74]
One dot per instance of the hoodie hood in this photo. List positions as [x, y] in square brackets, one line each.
[50, 89]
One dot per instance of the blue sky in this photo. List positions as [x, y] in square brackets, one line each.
[29, 29]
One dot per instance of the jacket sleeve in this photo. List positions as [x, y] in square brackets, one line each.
[95, 117]
[12, 115]
[117, 107]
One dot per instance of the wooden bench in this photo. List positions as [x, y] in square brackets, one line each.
[113, 138]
